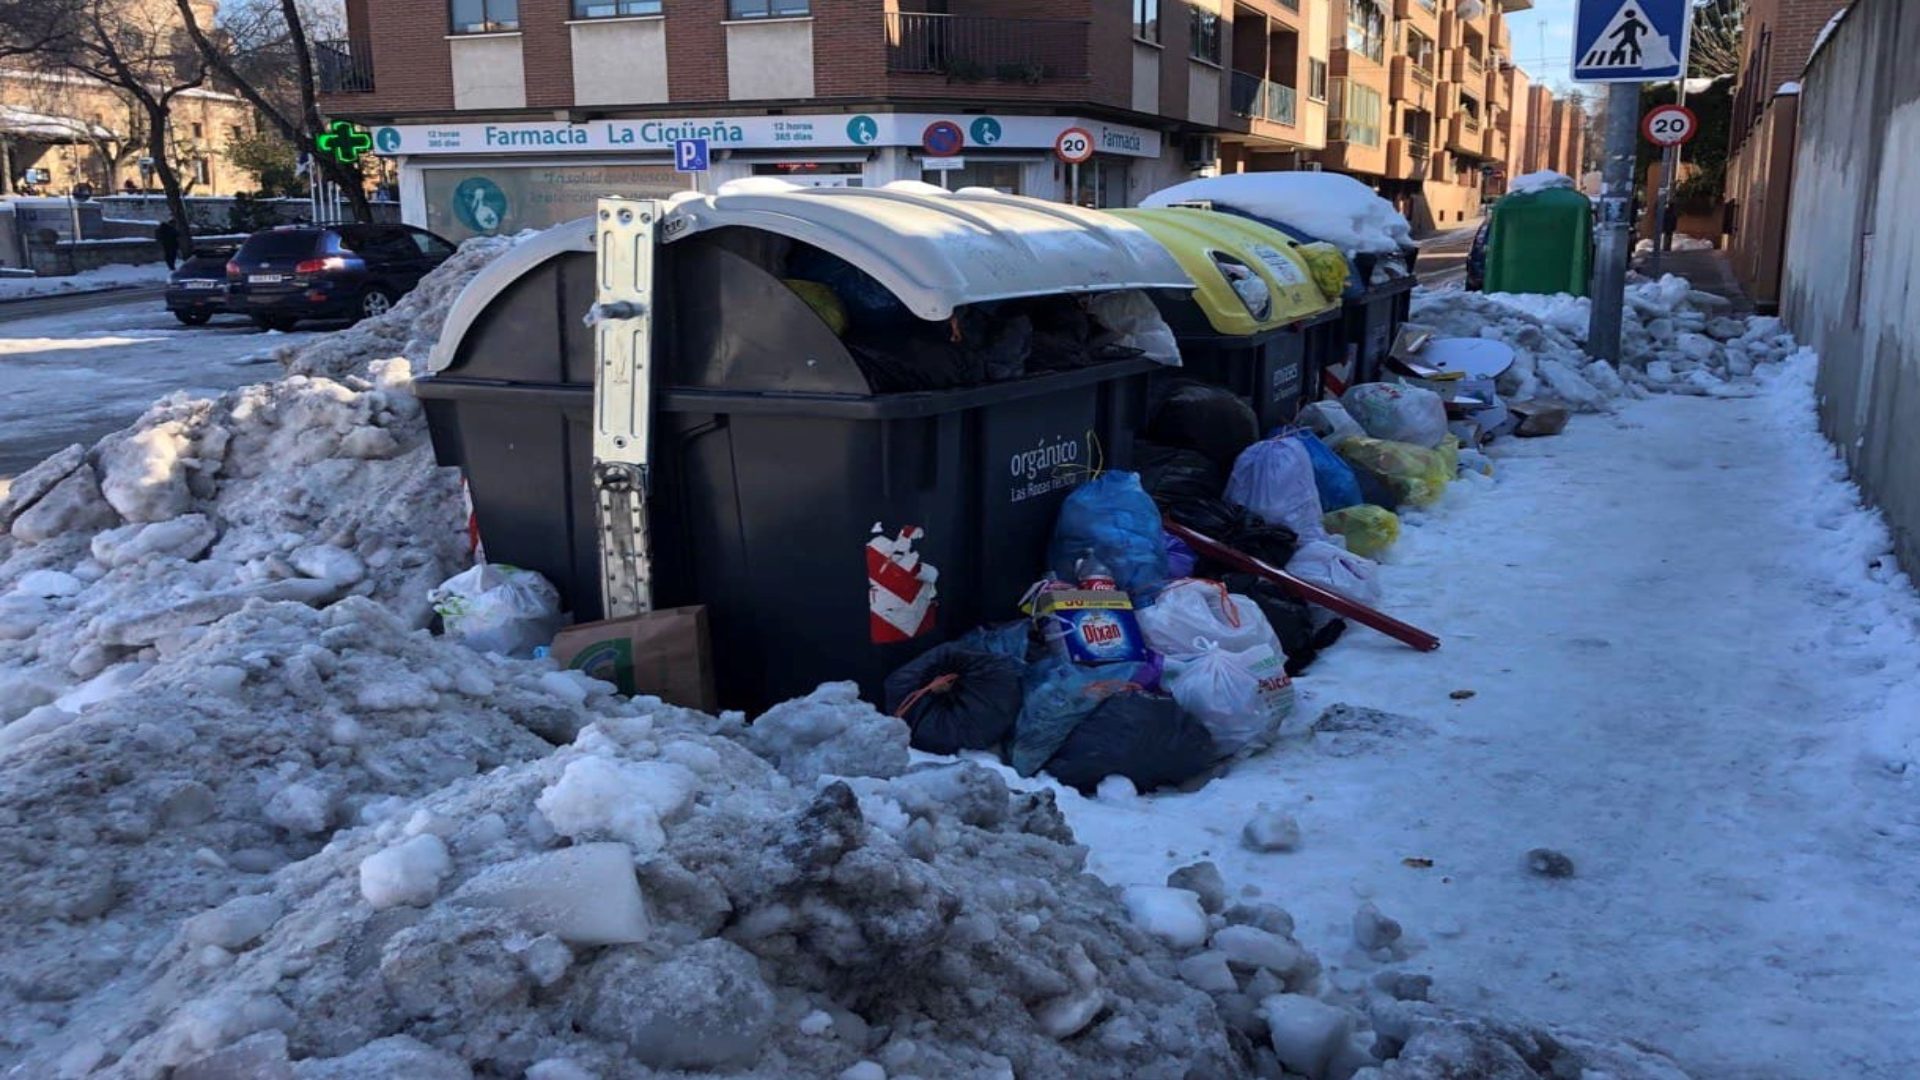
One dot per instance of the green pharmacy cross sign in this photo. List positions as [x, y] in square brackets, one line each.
[344, 141]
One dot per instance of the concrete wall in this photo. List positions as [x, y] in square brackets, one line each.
[489, 72]
[66, 258]
[1853, 253]
[619, 61]
[771, 59]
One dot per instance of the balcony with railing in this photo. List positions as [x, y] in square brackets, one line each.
[1408, 158]
[1263, 100]
[1495, 145]
[1410, 81]
[1463, 134]
[1423, 14]
[343, 67]
[970, 48]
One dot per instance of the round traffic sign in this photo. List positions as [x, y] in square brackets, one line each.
[1670, 125]
[1074, 145]
[943, 138]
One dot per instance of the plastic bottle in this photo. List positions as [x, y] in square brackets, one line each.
[1093, 573]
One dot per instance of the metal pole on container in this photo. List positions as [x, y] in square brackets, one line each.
[1614, 241]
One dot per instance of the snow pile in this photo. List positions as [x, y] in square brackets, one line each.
[1681, 242]
[1675, 340]
[105, 277]
[409, 329]
[1544, 180]
[1326, 206]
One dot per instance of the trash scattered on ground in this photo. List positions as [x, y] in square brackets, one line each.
[1549, 863]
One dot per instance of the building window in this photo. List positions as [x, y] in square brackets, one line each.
[199, 132]
[610, 9]
[484, 16]
[1146, 20]
[1367, 29]
[1355, 114]
[1103, 183]
[233, 132]
[201, 173]
[766, 9]
[1203, 37]
[1316, 79]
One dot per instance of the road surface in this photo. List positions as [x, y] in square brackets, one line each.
[1443, 258]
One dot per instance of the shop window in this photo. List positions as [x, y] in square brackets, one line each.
[1002, 176]
[1146, 20]
[815, 173]
[484, 16]
[1203, 34]
[766, 9]
[1103, 183]
[1316, 80]
[613, 9]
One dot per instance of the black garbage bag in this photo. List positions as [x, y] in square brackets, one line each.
[1143, 737]
[1271, 544]
[1002, 339]
[1291, 619]
[1214, 518]
[955, 698]
[1171, 474]
[1210, 419]
[903, 360]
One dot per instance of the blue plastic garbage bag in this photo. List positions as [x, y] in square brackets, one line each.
[1112, 518]
[1339, 487]
[868, 302]
[1181, 559]
[1148, 739]
[1059, 695]
[1006, 639]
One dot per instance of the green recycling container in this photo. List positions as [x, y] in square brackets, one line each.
[1541, 242]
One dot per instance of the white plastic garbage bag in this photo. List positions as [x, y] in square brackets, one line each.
[1331, 421]
[1194, 612]
[1241, 697]
[1407, 414]
[496, 608]
[1132, 315]
[1273, 478]
[1333, 567]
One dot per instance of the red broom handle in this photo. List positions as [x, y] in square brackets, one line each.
[1305, 590]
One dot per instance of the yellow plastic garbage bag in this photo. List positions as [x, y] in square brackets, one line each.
[1328, 267]
[1449, 450]
[1414, 474]
[824, 302]
[1369, 530]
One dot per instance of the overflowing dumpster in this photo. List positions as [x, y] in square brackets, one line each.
[1257, 299]
[846, 463]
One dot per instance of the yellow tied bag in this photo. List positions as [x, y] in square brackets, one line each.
[1368, 530]
[1416, 475]
[1328, 267]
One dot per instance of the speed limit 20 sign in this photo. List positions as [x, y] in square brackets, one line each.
[1074, 145]
[1670, 125]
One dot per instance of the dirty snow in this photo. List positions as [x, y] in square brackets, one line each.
[105, 277]
[1326, 206]
[1544, 180]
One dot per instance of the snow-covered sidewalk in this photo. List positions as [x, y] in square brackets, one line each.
[106, 277]
[1694, 673]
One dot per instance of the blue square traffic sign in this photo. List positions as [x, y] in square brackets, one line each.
[1630, 40]
[690, 155]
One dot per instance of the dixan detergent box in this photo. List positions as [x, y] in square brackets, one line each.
[1091, 626]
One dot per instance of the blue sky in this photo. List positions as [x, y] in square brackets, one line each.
[1542, 41]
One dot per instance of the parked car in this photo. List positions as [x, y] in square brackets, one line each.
[1477, 256]
[197, 288]
[281, 276]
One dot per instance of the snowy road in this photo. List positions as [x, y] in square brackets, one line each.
[1687, 675]
[75, 376]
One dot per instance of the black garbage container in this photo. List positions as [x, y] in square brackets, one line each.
[833, 532]
[1373, 319]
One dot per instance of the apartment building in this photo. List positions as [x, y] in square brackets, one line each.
[1775, 46]
[506, 114]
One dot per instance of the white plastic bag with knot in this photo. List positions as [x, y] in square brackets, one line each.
[1330, 566]
[497, 608]
[1397, 413]
[1131, 315]
[1191, 613]
[1274, 479]
[1241, 697]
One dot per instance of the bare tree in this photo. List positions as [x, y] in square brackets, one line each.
[1717, 38]
[271, 65]
[29, 27]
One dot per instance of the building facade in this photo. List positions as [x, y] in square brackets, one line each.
[1776, 41]
[63, 129]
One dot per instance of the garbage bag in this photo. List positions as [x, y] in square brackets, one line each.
[1288, 619]
[1130, 315]
[824, 302]
[1271, 544]
[497, 608]
[902, 361]
[1171, 474]
[1145, 738]
[1331, 421]
[1241, 697]
[1058, 696]
[1332, 476]
[1274, 478]
[1193, 614]
[1368, 530]
[1210, 419]
[1112, 518]
[1327, 266]
[1397, 413]
[1062, 335]
[1410, 474]
[1014, 639]
[869, 304]
[1180, 558]
[954, 698]
[1336, 569]
[1000, 341]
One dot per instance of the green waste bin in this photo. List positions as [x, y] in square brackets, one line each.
[832, 531]
[1541, 242]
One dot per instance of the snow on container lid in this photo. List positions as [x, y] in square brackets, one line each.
[1326, 206]
[937, 250]
[496, 276]
[1213, 247]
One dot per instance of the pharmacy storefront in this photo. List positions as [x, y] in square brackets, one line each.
[475, 179]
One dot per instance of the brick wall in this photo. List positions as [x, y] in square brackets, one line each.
[849, 48]
[697, 51]
[412, 69]
[546, 52]
[1776, 41]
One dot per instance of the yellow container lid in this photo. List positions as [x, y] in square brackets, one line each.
[1248, 278]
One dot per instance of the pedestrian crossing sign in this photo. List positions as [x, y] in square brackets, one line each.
[1631, 40]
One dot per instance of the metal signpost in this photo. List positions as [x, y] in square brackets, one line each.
[1626, 43]
[691, 156]
[1074, 146]
[942, 139]
[1669, 127]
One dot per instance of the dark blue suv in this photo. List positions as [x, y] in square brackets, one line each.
[295, 272]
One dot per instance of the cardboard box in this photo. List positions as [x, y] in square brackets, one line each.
[664, 653]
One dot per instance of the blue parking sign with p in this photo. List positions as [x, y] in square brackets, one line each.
[690, 155]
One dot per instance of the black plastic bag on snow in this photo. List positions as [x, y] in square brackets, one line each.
[955, 698]
[1210, 419]
[1143, 737]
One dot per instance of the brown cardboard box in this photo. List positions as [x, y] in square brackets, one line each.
[665, 653]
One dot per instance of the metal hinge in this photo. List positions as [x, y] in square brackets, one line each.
[622, 320]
